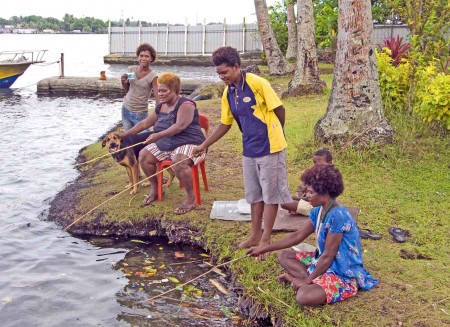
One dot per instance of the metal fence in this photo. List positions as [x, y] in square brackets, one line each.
[185, 40]
[383, 32]
[204, 39]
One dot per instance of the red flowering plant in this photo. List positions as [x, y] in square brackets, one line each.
[397, 49]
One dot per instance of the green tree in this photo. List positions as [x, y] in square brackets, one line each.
[278, 20]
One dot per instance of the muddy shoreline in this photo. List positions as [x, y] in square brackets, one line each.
[63, 210]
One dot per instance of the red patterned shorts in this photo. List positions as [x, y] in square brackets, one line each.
[335, 288]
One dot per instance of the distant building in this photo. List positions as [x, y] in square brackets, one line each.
[25, 31]
[76, 31]
[6, 28]
[48, 31]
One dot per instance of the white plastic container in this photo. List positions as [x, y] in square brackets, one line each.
[243, 207]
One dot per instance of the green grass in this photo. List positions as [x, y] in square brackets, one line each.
[404, 184]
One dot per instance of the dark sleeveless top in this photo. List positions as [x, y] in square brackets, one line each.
[190, 135]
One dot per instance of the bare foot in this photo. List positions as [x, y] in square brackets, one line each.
[252, 241]
[285, 277]
[263, 256]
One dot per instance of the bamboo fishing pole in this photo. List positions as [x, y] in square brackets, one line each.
[110, 153]
[193, 279]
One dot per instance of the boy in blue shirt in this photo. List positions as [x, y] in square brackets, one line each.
[250, 101]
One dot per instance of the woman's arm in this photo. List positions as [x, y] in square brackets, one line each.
[184, 119]
[155, 90]
[289, 240]
[125, 82]
[332, 243]
[139, 127]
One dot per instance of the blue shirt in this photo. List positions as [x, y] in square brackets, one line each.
[347, 263]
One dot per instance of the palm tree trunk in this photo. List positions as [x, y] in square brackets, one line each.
[275, 61]
[291, 52]
[355, 110]
[306, 79]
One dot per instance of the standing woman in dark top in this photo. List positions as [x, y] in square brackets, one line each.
[177, 132]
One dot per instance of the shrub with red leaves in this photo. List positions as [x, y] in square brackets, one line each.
[398, 48]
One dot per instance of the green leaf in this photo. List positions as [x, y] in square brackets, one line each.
[173, 280]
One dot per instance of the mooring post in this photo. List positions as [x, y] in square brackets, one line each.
[62, 66]
[244, 31]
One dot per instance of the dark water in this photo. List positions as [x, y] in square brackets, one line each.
[47, 277]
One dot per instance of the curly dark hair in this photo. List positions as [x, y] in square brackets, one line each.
[324, 179]
[226, 55]
[146, 47]
[324, 153]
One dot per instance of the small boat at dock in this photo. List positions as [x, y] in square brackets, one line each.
[14, 63]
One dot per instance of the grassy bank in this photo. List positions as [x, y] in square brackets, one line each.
[405, 184]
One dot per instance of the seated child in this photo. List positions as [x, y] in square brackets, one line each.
[300, 203]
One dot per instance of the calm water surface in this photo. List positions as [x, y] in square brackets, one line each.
[47, 277]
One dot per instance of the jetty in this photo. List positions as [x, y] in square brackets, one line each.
[247, 59]
[111, 87]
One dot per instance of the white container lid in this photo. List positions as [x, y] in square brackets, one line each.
[243, 207]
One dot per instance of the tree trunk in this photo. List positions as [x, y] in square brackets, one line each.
[306, 79]
[291, 52]
[275, 61]
[355, 110]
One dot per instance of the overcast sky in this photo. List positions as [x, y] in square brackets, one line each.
[163, 11]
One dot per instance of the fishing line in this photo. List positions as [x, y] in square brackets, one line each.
[126, 189]
[105, 155]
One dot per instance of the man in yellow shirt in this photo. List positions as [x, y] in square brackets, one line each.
[250, 101]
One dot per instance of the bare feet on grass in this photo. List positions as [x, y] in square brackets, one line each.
[292, 281]
[285, 278]
[251, 241]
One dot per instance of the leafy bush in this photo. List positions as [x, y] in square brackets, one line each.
[398, 49]
[433, 96]
[394, 82]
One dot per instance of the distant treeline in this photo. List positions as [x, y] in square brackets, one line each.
[68, 23]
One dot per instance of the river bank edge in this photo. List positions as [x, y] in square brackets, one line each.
[63, 211]
[391, 185]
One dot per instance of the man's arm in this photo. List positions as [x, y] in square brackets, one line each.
[281, 114]
[218, 133]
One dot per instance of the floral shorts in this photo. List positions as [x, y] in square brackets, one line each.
[184, 149]
[335, 288]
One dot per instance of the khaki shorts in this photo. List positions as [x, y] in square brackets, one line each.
[265, 179]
